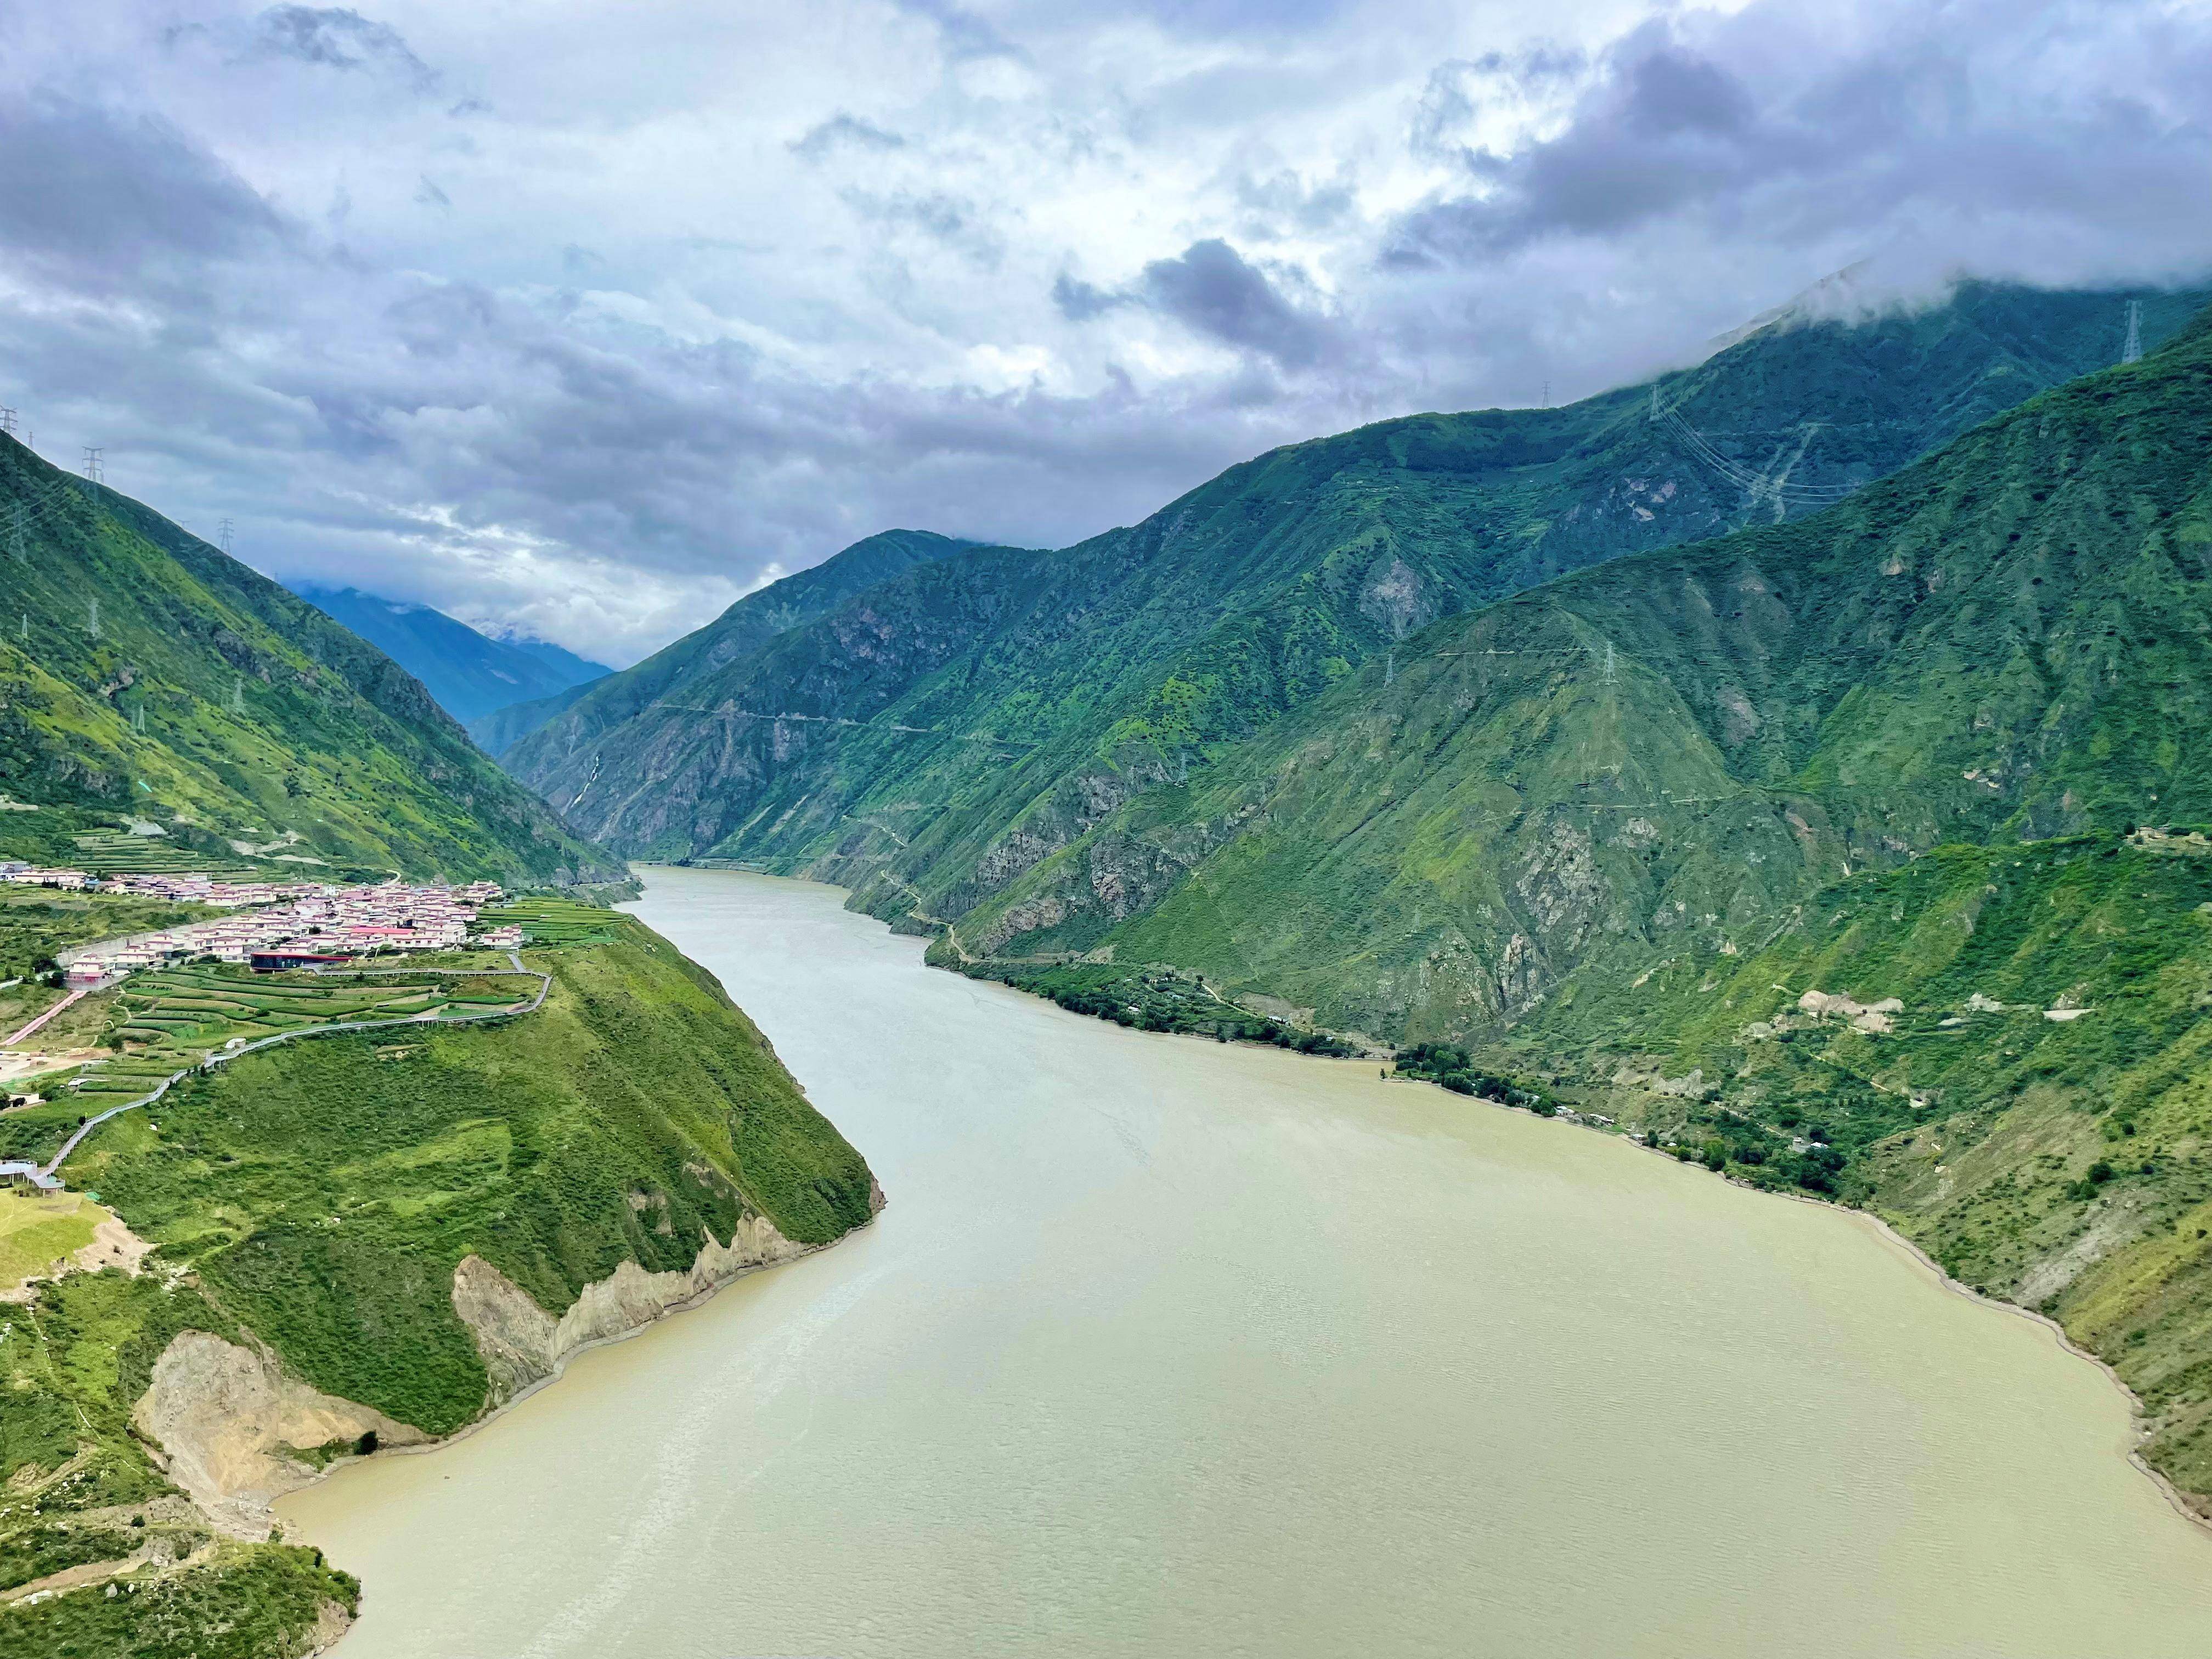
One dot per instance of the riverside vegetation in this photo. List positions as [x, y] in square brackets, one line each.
[312, 1203]
[1848, 854]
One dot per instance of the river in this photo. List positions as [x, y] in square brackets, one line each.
[1168, 1348]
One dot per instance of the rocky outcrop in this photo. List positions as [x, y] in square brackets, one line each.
[522, 1344]
[228, 1421]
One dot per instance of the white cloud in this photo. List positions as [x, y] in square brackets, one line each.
[587, 327]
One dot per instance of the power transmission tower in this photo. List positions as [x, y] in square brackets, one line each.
[138, 721]
[93, 470]
[7, 419]
[1610, 678]
[2132, 351]
[224, 542]
[1655, 402]
[238, 693]
[93, 613]
[1547, 394]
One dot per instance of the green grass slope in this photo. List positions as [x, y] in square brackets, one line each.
[79, 1490]
[323, 1192]
[2064, 1164]
[317, 1197]
[2009, 639]
[941, 734]
[143, 673]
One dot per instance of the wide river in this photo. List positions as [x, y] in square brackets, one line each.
[1168, 1348]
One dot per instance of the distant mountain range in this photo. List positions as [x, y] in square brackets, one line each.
[145, 675]
[471, 674]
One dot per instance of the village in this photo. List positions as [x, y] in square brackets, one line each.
[280, 924]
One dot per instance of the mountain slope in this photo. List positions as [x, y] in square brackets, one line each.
[2011, 639]
[946, 731]
[144, 673]
[468, 673]
[2060, 1162]
[676, 670]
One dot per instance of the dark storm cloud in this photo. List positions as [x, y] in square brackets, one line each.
[1211, 288]
[100, 197]
[337, 38]
[1702, 128]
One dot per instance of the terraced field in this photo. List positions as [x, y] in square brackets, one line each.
[555, 921]
[177, 1018]
[117, 852]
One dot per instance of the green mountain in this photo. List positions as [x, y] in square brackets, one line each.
[676, 671]
[1815, 854]
[2009, 639]
[503, 727]
[145, 675]
[469, 674]
[942, 735]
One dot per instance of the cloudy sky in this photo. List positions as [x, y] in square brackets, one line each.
[584, 317]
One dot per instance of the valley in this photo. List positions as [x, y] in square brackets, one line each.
[1820, 806]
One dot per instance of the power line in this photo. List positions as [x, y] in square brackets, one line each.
[1753, 483]
[834, 719]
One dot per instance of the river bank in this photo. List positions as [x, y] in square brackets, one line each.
[1201, 1348]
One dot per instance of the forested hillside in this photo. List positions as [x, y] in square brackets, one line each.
[576, 719]
[943, 734]
[2010, 640]
[145, 675]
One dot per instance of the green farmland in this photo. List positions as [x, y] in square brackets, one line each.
[168, 1022]
[555, 921]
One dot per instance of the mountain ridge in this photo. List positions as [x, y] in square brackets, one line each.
[149, 671]
[470, 673]
[941, 734]
[1671, 747]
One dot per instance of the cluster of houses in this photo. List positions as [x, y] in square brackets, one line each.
[220, 895]
[313, 925]
[32, 875]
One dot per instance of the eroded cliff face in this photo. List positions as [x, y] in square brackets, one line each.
[232, 1425]
[230, 1421]
[522, 1344]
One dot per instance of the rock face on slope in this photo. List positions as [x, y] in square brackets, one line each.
[230, 1424]
[523, 1344]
